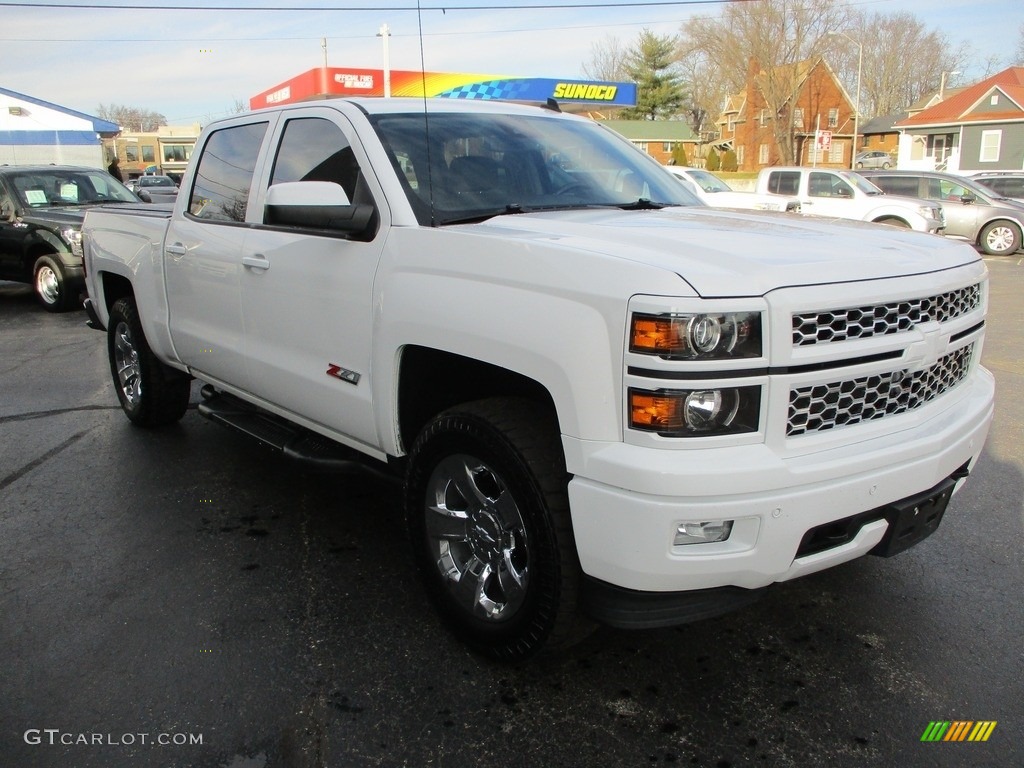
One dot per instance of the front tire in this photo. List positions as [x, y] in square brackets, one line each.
[1000, 238]
[488, 514]
[51, 285]
[151, 394]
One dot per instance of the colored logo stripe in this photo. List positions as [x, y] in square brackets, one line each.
[958, 730]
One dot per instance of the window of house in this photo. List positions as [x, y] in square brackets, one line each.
[762, 154]
[833, 117]
[666, 147]
[798, 117]
[131, 153]
[836, 152]
[994, 101]
[225, 171]
[732, 125]
[148, 153]
[177, 153]
[739, 154]
[762, 118]
[990, 141]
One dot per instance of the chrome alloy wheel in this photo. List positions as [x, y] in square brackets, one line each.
[477, 537]
[1001, 238]
[47, 284]
[126, 360]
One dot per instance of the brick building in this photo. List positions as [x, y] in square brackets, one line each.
[812, 100]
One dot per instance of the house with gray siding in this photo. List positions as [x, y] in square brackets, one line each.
[979, 128]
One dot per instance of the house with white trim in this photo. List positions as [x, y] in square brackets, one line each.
[36, 131]
[979, 128]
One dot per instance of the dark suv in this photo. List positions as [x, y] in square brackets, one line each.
[974, 212]
[41, 213]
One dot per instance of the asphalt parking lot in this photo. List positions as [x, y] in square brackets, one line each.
[187, 598]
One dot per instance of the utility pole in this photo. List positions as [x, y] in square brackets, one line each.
[385, 33]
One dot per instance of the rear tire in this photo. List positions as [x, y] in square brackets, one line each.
[51, 285]
[488, 514]
[151, 394]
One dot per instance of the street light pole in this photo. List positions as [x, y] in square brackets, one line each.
[384, 34]
[856, 108]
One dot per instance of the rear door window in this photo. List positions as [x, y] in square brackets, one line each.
[224, 175]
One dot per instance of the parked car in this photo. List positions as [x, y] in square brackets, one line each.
[41, 213]
[1008, 183]
[973, 211]
[155, 189]
[873, 159]
[712, 191]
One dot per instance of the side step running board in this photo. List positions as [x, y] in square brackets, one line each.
[314, 451]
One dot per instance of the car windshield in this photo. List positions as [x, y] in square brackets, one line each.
[480, 165]
[861, 183]
[709, 182]
[52, 188]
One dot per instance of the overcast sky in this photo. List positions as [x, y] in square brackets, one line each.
[193, 65]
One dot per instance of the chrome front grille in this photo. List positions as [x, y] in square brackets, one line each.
[882, 319]
[820, 407]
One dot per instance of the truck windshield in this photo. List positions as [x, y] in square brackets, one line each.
[479, 165]
[56, 187]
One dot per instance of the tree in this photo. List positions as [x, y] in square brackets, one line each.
[891, 80]
[1018, 58]
[131, 118]
[706, 89]
[607, 61]
[729, 163]
[767, 40]
[679, 155]
[649, 63]
[712, 163]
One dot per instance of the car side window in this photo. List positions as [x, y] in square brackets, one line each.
[223, 177]
[950, 191]
[315, 149]
[827, 185]
[784, 182]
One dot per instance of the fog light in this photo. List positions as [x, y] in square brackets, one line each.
[702, 533]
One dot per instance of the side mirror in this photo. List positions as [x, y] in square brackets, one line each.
[317, 205]
[144, 196]
[7, 212]
[968, 197]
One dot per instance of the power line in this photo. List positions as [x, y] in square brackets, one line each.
[374, 8]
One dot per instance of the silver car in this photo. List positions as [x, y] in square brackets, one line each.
[974, 212]
[873, 159]
[1005, 183]
[154, 189]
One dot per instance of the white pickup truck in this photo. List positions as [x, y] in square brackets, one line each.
[712, 191]
[607, 401]
[848, 195]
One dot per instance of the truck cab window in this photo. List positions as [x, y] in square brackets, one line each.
[225, 171]
[314, 149]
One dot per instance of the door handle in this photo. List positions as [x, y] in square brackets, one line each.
[256, 262]
[177, 250]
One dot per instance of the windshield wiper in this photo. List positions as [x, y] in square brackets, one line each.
[643, 204]
[476, 218]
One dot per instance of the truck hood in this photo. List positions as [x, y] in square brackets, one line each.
[723, 253]
[56, 217]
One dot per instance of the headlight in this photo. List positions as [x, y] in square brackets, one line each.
[705, 336]
[695, 412]
[930, 212]
[73, 237]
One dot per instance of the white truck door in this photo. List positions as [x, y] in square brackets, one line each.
[307, 294]
[829, 195]
[202, 255]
